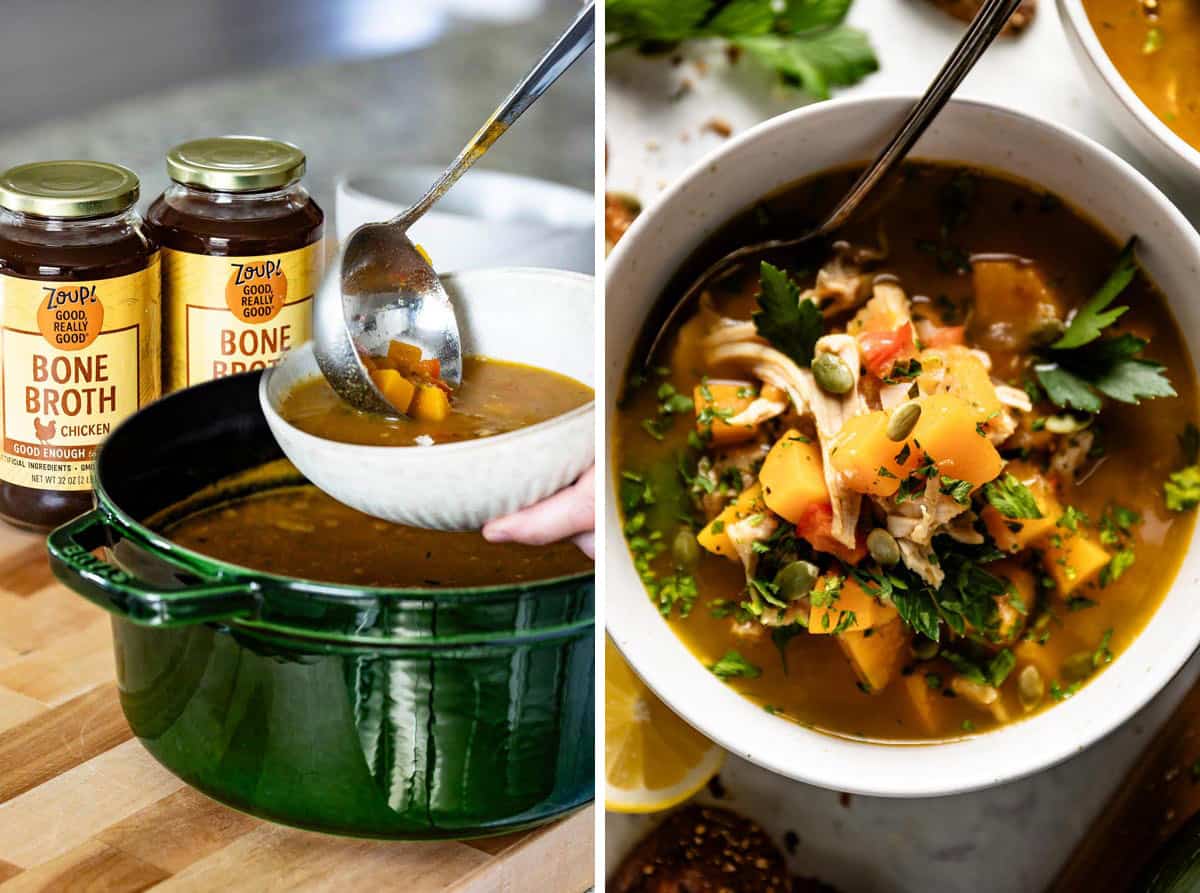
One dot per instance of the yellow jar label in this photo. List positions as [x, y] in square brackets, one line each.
[226, 315]
[78, 357]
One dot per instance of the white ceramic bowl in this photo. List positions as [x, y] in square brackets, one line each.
[1174, 158]
[540, 317]
[757, 163]
[489, 218]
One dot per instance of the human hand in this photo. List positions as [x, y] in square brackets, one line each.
[568, 513]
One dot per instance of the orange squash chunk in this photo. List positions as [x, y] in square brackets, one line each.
[396, 389]
[876, 654]
[792, 477]
[1014, 534]
[713, 538]
[403, 356]
[955, 370]
[928, 703]
[723, 398]
[1011, 294]
[946, 433]
[430, 404]
[869, 612]
[862, 447]
[1072, 559]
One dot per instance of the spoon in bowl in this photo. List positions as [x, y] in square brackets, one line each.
[383, 289]
[988, 23]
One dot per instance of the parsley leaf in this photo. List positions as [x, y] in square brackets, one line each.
[791, 325]
[1182, 489]
[663, 21]
[1081, 367]
[734, 666]
[815, 61]
[781, 635]
[1011, 498]
[1117, 565]
[1095, 315]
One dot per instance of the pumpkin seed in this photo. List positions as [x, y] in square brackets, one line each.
[1031, 687]
[1078, 666]
[883, 547]
[903, 420]
[685, 550]
[1066, 423]
[832, 374]
[795, 580]
[924, 649]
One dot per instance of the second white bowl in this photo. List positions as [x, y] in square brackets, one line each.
[542, 318]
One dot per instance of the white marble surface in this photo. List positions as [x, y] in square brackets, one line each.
[1010, 838]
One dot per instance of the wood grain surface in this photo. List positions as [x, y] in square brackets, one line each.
[84, 807]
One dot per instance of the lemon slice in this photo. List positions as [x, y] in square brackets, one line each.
[653, 759]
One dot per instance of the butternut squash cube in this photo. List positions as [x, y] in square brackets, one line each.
[714, 538]
[403, 356]
[955, 370]
[396, 389]
[928, 703]
[946, 433]
[862, 448]
[868, 611]
[1014, 534]
[716, 401]
[876, 654]
[792, 477]
[430, 404]
[1072, 559]
[1013, 616]
[1012, 299]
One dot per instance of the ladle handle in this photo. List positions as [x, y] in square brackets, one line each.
[984, 28]
[573, 43]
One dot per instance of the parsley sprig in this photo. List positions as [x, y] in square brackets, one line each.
[789, 324]
[803, 41]
[1081, 367]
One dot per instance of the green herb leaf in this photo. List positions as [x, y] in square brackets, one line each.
[663, 21]
[1011, 498]
[1117, 565]
[1000, 666]
[791, 325]
[1066, 389]
[781, 635]
[816, 60]
[1182, 489]
[1095, 315]
[734, 666]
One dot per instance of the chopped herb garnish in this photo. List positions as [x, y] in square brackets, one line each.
[1117, 565]
[1011, 498]
[1071, 518]
[1182, 489]
[788, 323]
[959, 491]
[734, 666]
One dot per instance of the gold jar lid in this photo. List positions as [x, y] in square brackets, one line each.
[68, 189]
[235, 163]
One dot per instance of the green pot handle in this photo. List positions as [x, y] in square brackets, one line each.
[71, 549]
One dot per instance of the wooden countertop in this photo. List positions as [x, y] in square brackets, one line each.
[84, 806]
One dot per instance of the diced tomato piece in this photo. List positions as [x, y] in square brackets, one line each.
[943, 336]
[431, 369]
[881, 350]
[817, 528]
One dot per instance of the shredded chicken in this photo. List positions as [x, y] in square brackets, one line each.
[1001, 427]
[892, 395]
[985, 696]
[798, 609]
[921, 560]
[840, 284]
[1070, 457]
[1013, 397]
[760, 410]
[745, 458]
[963, 529]
[888, 302]
[748, 531]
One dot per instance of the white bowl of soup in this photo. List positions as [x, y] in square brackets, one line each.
[1033, 541]
[520, 427]
[1142, 62]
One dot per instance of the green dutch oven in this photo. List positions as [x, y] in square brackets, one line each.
[397, 713]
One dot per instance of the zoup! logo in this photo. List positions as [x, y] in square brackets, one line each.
[256, 292]
[71, 316]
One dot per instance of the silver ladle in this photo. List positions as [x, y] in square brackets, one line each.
[984, 28]
[383, 289]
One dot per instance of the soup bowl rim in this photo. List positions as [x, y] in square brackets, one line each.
[1079, 26]
[274, 411]
[911, 768]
